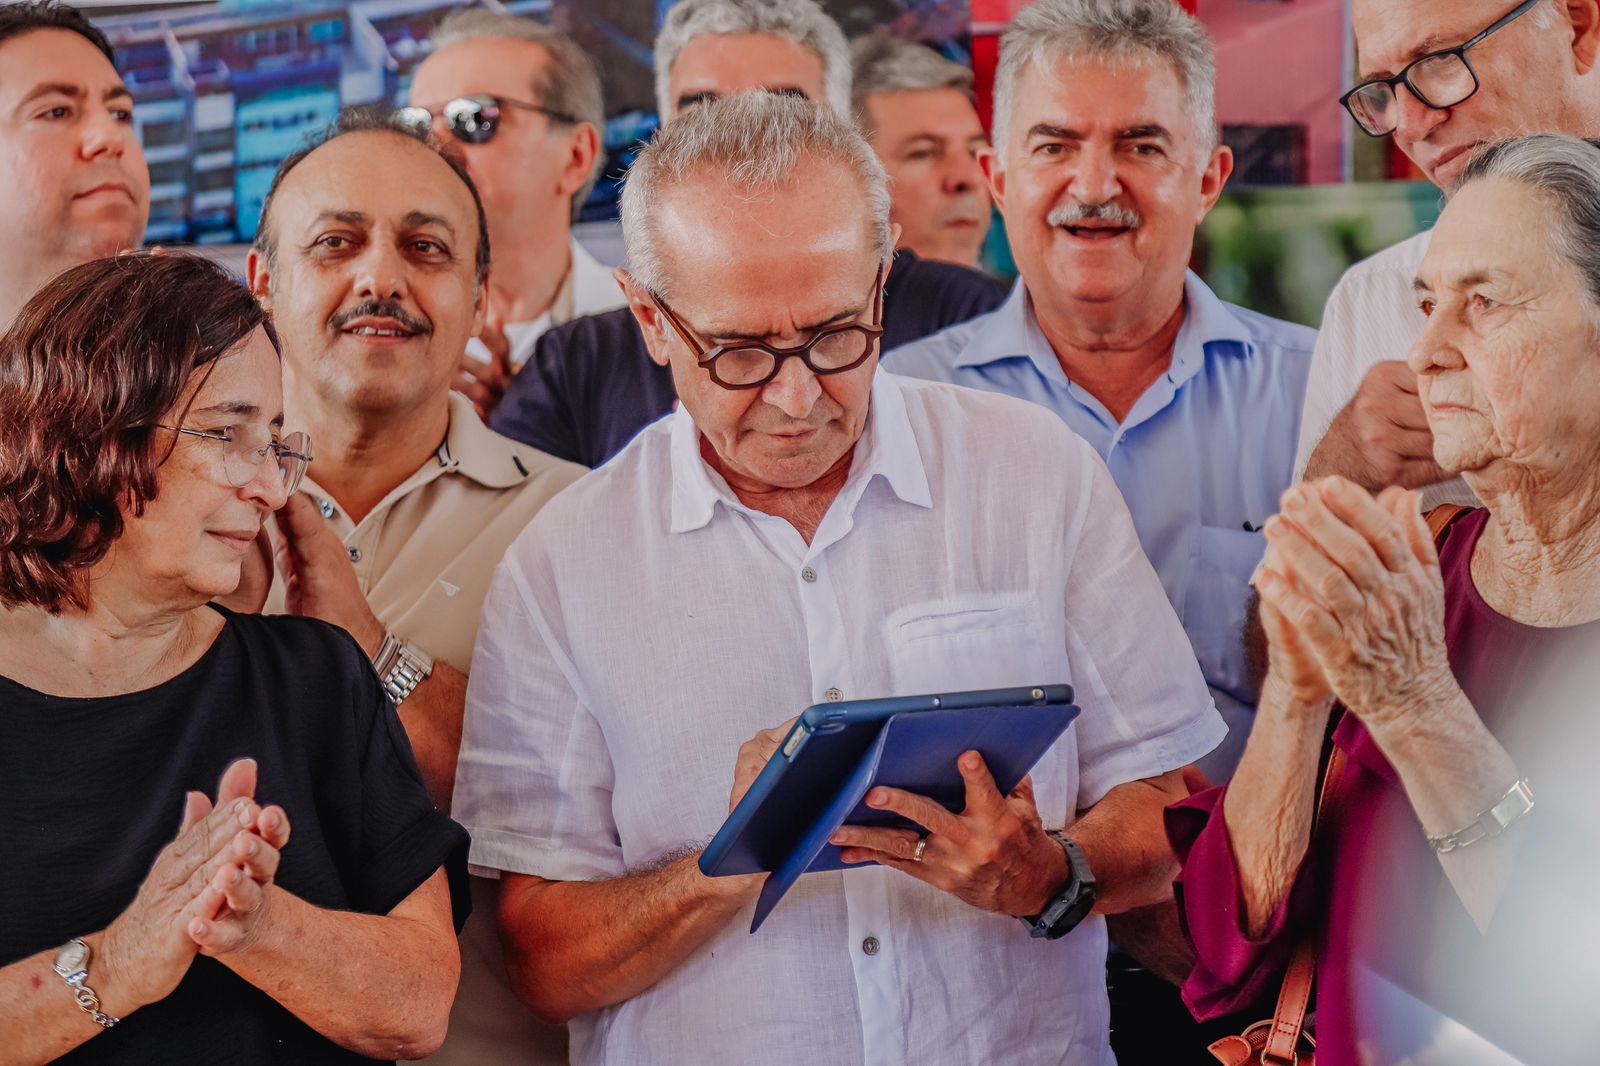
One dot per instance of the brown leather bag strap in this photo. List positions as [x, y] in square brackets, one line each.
[1283, 1043]
[1441, 518]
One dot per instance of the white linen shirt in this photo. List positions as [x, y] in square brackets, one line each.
[1371, 317]
[647, 623]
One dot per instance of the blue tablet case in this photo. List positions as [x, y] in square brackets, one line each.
[818, 779]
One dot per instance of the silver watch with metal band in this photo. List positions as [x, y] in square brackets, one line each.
[1491, 823]
[72, 965]
[401, 667]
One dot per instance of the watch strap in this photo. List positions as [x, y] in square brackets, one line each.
[1075, 900]
[1514, 805]
[401, 667]
[87, 999]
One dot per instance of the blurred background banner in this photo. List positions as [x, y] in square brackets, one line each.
[225, 90]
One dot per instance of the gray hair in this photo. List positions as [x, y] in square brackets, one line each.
[801, 21]
[1136, 30]
[1565, 171]
[885, 64]
[754, 142]
[569, 83]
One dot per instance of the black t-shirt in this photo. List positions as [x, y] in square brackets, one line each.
[591, 386]
[91, 790]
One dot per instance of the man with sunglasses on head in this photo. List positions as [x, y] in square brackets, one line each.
[375, 286]
[807, 529]
[521, 102]
[76, 183]
[590, 385]
[1443, 77]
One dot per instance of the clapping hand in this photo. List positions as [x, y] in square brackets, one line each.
[1355, 582]
[148, 948]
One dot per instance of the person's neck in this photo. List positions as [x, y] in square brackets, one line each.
[362, 456]
[528, 275]
[20, 277]
[803, 507]
[1538, 561]
[1111, 351]
[122, 642]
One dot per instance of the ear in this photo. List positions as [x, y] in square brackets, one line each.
[583, 148]
[1214, 179]
[651, 322]
[1584, 15]
[258, 277]
[895, 232]
[480, 308]
[994, 172]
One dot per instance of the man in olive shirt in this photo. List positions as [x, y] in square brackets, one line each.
[375, 287]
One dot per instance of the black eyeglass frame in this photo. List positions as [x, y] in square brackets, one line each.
[280, 451]
[707, 358]
[486, 116]
[1459, 51]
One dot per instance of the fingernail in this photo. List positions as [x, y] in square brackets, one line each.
[875, 798]
[970, 760]
[199, 928]
[271, 820]
[230, 876]
[1295, 499]
[252, 846]
[244, 816]
[837, 840]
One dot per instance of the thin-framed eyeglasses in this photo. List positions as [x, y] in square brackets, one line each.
[246, 446]
[1439, 80]
[752, 364]
[476, 119]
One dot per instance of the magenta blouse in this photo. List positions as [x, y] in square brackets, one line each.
[1371, 891]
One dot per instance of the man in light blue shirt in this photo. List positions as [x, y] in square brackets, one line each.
[1105, 162]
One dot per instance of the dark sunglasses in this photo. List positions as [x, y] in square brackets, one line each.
[475, 119]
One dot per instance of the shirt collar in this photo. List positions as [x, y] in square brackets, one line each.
[888, 448]
[589, 287]
[473, 449]
[1013, 331]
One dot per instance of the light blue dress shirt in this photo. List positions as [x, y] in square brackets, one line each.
[1201, 458]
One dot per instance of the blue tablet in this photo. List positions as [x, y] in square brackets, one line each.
[836, 752]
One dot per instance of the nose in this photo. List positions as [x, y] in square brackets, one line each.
[794, 391]
[1094, 177]
[104, 136]
[265, 487]
[380, 272]
[1416, 120]
[962, 173]
[1439, 347]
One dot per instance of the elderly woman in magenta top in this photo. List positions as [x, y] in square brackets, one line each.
[1427, 872]
[217, 844]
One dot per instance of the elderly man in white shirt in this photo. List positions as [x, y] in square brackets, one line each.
[1442, 77]
[807, 529]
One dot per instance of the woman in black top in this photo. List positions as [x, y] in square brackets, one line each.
[303, 911]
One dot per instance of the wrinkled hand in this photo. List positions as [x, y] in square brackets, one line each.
[994, 855]
[255, 578]
[1291, 661]
[319, 579]
[1382, 437]
[147, 949]
[483, 383]
[1358, 581]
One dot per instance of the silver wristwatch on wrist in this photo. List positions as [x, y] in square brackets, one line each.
[401, 667]
[1517, 802]
[72, 965]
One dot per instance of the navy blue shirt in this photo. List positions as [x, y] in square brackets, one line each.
[591, 385]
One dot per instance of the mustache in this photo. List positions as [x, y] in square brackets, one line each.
[1075, 213]
[382, 309]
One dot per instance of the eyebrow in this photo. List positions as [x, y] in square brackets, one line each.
[1433, 42]
[75, 92]
[1462, 281]
[241, 408]
[418, 219]
[842, 316]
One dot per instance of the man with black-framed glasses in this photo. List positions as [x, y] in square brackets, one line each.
[521, 103]
[1442, 77]
[807, 528]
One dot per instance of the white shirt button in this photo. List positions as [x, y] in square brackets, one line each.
[834, 695]
[326, 507]
[355, 555]
[808, 575]
[870, 945]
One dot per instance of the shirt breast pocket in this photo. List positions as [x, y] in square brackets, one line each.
[975, 642]
[1214, 605]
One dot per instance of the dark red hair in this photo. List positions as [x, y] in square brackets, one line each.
[99, 357]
